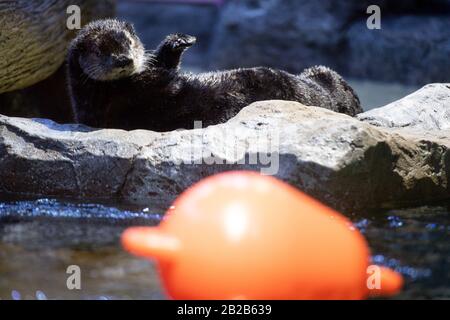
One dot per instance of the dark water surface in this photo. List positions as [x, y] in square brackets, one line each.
[39, 239]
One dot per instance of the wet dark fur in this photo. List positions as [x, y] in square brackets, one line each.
[162, 99]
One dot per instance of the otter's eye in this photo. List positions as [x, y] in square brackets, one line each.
[95, 50]
[129, 27]
[126, 41]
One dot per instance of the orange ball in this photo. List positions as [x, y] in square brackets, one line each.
[241, 235]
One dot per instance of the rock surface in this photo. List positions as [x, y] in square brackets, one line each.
[412, 47]
[288, 34]
[33, 44]
[348, 165]
[408, 49]
[34, 37]
[427, 109]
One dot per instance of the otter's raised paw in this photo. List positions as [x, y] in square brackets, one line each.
[181, 41]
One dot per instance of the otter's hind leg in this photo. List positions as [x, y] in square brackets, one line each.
[342, 95]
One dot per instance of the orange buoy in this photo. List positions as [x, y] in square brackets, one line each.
[241, 235]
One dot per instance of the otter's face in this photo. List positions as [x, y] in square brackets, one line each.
[111, 53]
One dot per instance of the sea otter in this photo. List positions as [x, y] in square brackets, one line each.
[115, 83]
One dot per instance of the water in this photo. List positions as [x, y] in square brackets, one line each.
[374, 94]
[39, 239]
[415, 242]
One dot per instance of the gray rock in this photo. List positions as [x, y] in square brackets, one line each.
[427, 109]
[286, 34]
[413, 46]
[35, 37]
[340, 160]
[408, 49]
[33, 46]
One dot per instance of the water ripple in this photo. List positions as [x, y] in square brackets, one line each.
[51, 208]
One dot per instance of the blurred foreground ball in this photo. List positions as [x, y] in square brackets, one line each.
[240, 235]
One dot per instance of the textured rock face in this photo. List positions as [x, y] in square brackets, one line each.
[408, 49]
[412, 47]
[427, 110]
[340, 160]
[35, 36]
[288, 34]
[33, 42]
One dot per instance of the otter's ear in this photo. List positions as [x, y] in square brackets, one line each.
[129, 26]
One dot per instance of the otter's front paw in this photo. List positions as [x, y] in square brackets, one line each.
[181, 41]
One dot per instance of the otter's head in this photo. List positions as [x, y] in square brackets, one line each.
[109, 50]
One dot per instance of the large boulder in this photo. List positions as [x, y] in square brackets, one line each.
[286, 34]
[426, 110]
[33, 44]
[412, 49]
[35, 37]
[340, 160]
[412, 46]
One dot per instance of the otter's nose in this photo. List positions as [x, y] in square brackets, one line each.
[122, 61]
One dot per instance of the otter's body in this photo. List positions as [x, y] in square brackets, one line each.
[160, 98]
